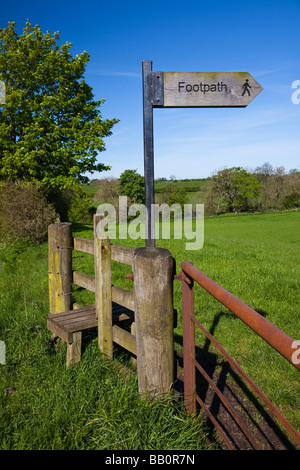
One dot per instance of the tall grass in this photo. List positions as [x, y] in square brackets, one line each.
[96, 406]
[93, 405]
[257, 258]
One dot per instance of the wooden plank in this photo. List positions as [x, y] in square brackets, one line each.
[80, 323]
[65, 330]
[74, 349]
[77, 313]
[122, 297]
[209, 89]
[84, 245]
[84, 280]
[57, 330]
[66, 323]
[73, 322]
[124, 339]
[122, 254]
[118, 312]
[69, 324]
[133, 332]
[57, 316]
[103, 293]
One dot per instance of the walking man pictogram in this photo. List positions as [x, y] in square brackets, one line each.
[246, 87]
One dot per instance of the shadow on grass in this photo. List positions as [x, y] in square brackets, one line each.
[260, 427]
[81, 227]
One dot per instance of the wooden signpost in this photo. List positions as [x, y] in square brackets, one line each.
[181, 90]
[209, 89]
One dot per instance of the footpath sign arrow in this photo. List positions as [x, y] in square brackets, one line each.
[186, 90]
[204, 89]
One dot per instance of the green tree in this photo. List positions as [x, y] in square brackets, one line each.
[175, 194]
[235, 189]
[280, 190]
[132, 185]
[51, 128]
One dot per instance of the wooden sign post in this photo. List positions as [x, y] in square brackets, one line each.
[148, 150]
[209, 89]
[181, 90]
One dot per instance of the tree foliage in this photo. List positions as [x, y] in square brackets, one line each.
[132, 185]
[51, 128]
[24, 212]
[174, 194]
[108, 191]
[281, 190]
[235, 190]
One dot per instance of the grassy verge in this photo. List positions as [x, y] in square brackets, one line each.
[90, 406]
[93, 405]
[256, 257]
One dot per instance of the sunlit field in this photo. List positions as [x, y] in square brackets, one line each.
[45, 406]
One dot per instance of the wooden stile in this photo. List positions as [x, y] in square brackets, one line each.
[113, 304]
[151, 338]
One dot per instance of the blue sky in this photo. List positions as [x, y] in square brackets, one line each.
[259, 37]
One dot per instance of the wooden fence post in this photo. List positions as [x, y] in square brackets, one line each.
[153, 292]
[60, 267]
[103, 296]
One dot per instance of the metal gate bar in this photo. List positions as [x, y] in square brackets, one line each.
[269, 332]
[279, 340]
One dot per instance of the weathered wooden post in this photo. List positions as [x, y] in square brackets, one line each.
[60, 279]
[153, 293]
[60, 267]
[102, 253]
[74, 348]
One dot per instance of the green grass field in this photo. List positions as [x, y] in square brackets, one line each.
[93, 405]
[256, 257]
[90, 188]
[191, 186]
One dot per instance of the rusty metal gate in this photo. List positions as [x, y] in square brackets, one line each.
[275, 337]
